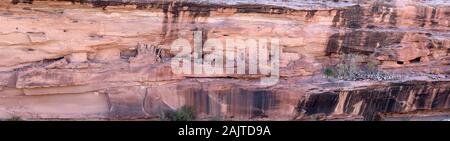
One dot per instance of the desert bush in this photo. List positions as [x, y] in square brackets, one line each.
[185, 113]
[15, 118]
[347, 68]
[328, 72]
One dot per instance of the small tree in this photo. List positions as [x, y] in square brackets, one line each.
[328, 72]
[185, 113]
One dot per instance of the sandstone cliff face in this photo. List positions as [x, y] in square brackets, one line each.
[110, 59]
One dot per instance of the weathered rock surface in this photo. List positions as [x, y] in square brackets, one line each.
[110, 59]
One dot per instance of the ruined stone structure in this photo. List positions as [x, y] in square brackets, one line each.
[110, 59]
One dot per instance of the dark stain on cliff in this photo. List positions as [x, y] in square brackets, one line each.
[382, 99]
[337, 18]
[202, 8]
[361, 42]
[347, 43]
[421, 16]
[310, 14]
[333, 44]
[248, 8]
[442, 99]
[164, 29]
[172, 12]
[433, 17]
[104, 4]
[352, 42]
[262, 101]
[200, 11]
[250, 103]
[79, 1]
[383, 10]
[319, 103]
[375, 101]
[22, 1]
[353, 17]
[170, 18]
[380, 39]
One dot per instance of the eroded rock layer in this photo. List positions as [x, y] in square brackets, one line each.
[110, 59]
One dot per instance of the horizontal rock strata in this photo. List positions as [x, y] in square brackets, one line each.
[110, 59]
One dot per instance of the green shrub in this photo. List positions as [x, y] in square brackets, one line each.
[185, 113]
[328, 72]
[15, 118]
